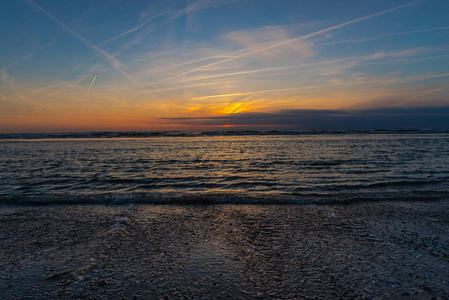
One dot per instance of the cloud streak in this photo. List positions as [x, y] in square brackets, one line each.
[75, 81]
[363, 40]
[310, 35]
[261, 92]
[172, 14]
[131, 30]
[115, 63]
[90, 86]
[439, 89]
[415, 117]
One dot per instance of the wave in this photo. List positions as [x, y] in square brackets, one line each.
[221, 198]
[153, 134]
[387, 184]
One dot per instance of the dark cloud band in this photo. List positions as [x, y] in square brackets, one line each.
[416, 117]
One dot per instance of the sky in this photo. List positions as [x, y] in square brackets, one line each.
[97, 65]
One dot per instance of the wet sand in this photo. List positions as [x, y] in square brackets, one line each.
[389, 250]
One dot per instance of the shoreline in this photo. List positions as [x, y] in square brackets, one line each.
[361, 250]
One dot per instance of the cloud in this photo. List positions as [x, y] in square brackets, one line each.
[131, 30]
[370, 39]
[145, 17]
[90, 86]
[36, 104]
[202, 4]
[73, 82]
[439, 89]
[414, 117]
[7, 79]
[114, 62]
[394, 54]
[261, 38]
[260, 92]
[17, 61]
[274, 45]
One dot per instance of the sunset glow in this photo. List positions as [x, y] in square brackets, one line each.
[187, 65]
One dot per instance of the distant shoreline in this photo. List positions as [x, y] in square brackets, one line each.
[152, 134]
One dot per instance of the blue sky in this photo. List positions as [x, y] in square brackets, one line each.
[164, 65]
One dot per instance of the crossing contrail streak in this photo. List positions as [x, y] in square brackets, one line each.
[114, 62]
[294, 39]
[90, 86]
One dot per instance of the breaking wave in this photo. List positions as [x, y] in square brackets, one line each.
[220, 198]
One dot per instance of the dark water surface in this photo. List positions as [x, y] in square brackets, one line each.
[240, 169]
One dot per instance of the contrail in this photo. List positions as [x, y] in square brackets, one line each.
[174, 14]
[88, 90]
[39, 105]
[133, 29]
[383, 36]
[441, 88]
[263, 91]
[262, 70]
[22, 96]
[49, 87]
[17, 61]
[115, 63]
[151, 56]
[295, 39]
[75, 81]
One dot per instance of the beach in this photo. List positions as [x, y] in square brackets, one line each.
[366, 250]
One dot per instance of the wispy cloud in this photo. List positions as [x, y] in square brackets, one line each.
[398, 53]
[369, 39]
[328, 69]
[255, 39]
[151, 56]
[136, 28]
[50, 87]
[7, 79]
[439, 89]
[331, 72]
[69, 82]
[288, 41]
[261, 92]
[39, 105]
[200, 5]
[302, 67]
[145, 17]
[114, 62]
[167, 64]
[15, 62]
[411, 117]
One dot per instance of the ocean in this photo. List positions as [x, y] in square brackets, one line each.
[274, 167]
[237, 215]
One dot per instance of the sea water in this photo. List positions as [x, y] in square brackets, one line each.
[236, 167]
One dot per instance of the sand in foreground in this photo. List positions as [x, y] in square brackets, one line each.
[366, 250]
